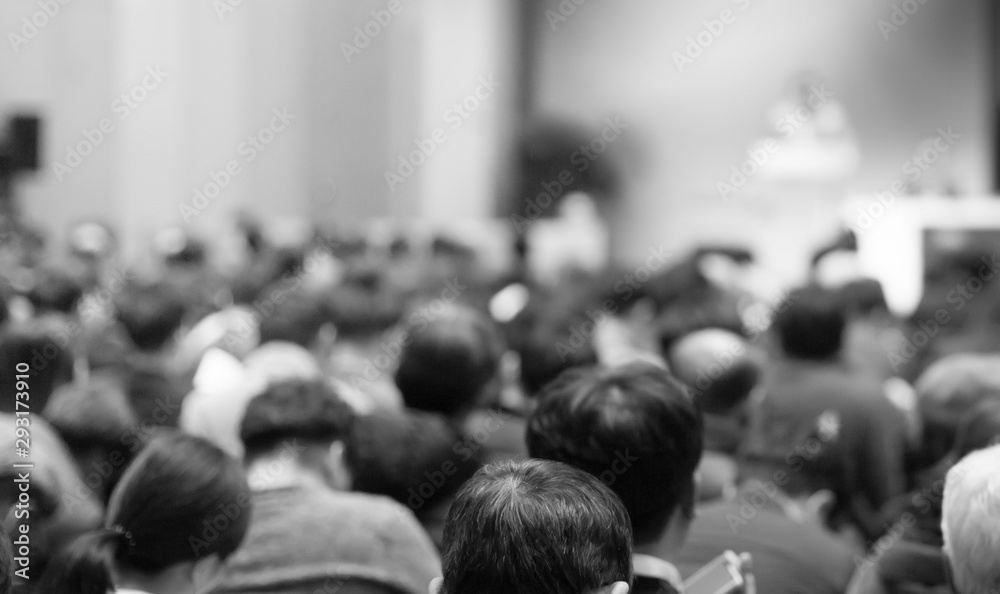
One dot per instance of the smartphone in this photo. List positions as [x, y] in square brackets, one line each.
[719, 576]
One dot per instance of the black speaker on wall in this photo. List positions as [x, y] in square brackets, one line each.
[23, 150]
[994, 53]
[20, 151]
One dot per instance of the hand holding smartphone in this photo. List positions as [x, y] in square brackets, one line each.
[728, 573]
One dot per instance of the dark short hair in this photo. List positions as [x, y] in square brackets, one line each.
[537, 331]
[811, 325]
[394, 453]
[535, 527]
[448, 360]
[92, 418]
[296, 318]
[542, 361]
[44, 348]
[635, 427]
[980, 428]
[294, 409]
[730, 390]
[150, 314]
[864, 297]
[152, 390]
[364, 306]
[55, 289]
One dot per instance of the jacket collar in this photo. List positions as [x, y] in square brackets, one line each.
[654, 567]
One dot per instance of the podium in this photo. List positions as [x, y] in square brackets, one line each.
[897, 234]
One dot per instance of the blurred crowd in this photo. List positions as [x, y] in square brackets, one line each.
[338, 415]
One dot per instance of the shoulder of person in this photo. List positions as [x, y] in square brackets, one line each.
[374, 508]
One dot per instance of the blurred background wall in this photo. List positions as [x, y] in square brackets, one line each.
[229, 64]
[694, 123]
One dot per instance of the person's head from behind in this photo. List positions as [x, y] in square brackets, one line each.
[811, 325]
[151, 315]
[181, 508]
[979, 428]
[363, 308]
[809, 469]
[55, 290]
[41, 346]
[947, 390]
[535, 527]
[533, 333]
[864, 299]
[449, 362]
[638, 430]
[394, 452]
[297, 318]
[304, 425]
[541, 363]
[970, 522]
[716, 364]
[92, 419]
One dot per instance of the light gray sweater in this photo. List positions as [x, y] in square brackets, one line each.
[302, 538]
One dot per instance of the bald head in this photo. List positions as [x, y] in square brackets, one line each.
[717, 364]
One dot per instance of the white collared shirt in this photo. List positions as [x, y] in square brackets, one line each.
[649, 566]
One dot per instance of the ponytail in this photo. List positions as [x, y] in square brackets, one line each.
[175, 487]
[84, 567]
